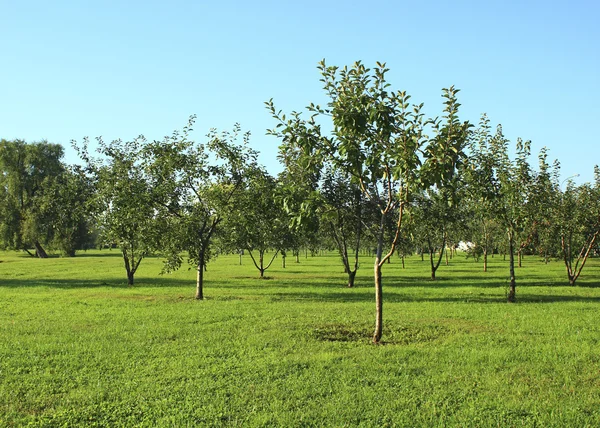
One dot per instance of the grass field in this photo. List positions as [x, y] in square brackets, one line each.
[80, 347]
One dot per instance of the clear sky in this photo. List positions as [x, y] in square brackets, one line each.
[118, 69]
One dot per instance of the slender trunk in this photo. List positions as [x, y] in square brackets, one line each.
[567, 258]
[447, 262]
[128, 269]
[261, 263]
[583, 256]
[379, 260]
[513, 282]
[358, 234]
[283, 261]
[351, 277]
[403, 267]
[240, 258]
[28, 252]
[486, 241]
[485, 257]
[434, 267]
[378, 286]
[431, 254]
[378, 302]
[200, 279]
[41, 253]
[520, 256]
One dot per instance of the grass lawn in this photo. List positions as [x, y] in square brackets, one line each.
[80, 347]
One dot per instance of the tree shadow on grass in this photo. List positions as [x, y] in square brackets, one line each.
[106, 253]
[95, 283]
[523, 298]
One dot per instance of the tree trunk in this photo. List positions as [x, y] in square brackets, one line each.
[435, 266]
[200, 280]
[39, 250]
[378, 286]
[261, 262]
[29, 252]
[128, 267]
[520, 256]
[351, 277]
[403, 267]
[283, 261]
[378, 302]
[485, 257]
[431, 253]
[513, 282]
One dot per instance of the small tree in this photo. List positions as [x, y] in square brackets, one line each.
[576, 220]
[195, 185]
[377, 136]
[504, 185]
[258, 222]
[432, 219]
[480, 192]
[544, 197]
[297, 190]
[343, 211]
[125, 199]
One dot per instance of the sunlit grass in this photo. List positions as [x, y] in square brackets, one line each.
[80, 347]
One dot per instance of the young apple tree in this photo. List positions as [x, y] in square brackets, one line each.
[376, 138]
[195, 185]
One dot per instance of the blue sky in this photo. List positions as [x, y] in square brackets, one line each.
[122, 68]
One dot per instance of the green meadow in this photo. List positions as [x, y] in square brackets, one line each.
[81, 348]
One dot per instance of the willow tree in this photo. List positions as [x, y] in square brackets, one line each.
[26, 172]
[377, 137]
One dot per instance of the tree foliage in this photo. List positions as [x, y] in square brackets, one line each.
[44, 201]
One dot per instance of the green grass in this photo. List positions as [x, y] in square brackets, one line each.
[80, 347]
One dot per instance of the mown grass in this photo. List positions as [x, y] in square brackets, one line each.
[80, 347]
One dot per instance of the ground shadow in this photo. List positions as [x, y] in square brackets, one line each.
[85, 283]
[522, 298]
[106, 253]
